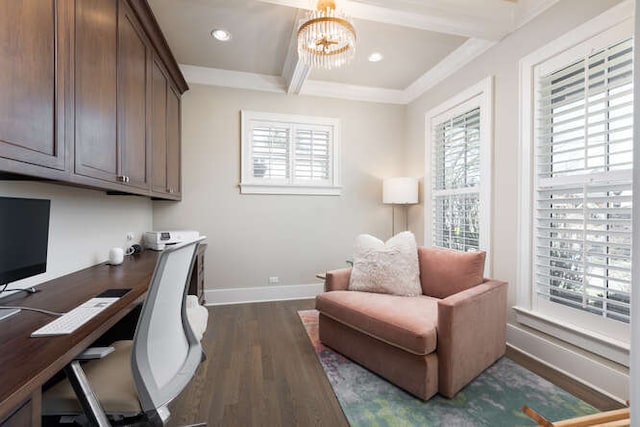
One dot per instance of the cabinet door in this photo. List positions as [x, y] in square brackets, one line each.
[133, 60]
[173, 142]
[158, 129]
[32, 82]
[96, 149]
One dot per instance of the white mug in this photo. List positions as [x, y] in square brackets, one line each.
[116, 256]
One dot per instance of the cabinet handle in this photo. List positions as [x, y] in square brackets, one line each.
[121, 178]
[127, 179]
[170, 190]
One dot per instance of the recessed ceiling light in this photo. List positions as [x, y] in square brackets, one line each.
[221, 35]
[375, 57]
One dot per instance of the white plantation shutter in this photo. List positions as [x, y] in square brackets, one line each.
[583, 194]
[456, 192]
[270, 152]
[312, 153]
[288, 154]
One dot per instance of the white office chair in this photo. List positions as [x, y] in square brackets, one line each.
[136, 382]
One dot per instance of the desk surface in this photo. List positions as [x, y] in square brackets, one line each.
[25, 362]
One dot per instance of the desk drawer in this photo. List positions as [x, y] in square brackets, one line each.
[26, 415]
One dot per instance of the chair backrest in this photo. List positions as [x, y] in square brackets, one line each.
[165, 351]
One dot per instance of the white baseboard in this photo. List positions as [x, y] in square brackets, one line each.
[262, 294]
[590, 372]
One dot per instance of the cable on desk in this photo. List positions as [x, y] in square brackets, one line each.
[39, 310]
[30, 290]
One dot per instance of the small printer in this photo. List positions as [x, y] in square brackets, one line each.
[158, 240]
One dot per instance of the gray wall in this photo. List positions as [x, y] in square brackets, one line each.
[253, 237]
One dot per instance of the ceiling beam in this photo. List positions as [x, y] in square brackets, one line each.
[438, 20]
[294, 71]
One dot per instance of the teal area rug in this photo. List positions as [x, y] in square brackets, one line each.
[493, 399]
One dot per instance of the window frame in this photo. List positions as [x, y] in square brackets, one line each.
[291, 185]
[480, 96]
[605, 337]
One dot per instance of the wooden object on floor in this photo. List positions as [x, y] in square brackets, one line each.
[615, 418]
[27, 363]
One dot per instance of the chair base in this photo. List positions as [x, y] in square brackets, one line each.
[417, 374]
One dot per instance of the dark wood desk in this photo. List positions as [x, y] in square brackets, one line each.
[27, 363]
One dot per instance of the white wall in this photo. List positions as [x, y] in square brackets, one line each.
[83, 226]
[502, 62]
[253, 237]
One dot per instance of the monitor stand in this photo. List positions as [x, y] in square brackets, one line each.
[8, 312]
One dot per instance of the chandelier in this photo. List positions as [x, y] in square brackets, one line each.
[327, 38]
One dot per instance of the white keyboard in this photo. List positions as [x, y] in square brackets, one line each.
[75, 318]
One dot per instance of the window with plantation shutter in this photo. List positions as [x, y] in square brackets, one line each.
[289, 154]
[456, 169]
[575, 175]
[583, 168]
[458, 185]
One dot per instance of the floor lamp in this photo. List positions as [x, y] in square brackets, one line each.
[399, 191]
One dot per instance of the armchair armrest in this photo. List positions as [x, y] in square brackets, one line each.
[337, 280]
[472, 329]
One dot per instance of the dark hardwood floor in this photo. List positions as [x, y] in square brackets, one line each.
[261, 370]
[589, 395]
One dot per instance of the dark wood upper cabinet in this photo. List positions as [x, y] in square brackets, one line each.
[173, 143]
[33, 72]
[89, 95]
[165, 131]
[159, 86]
[96, 141]
[133, 68]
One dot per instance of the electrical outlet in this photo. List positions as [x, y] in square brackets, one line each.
[274, 280]
[130, 236]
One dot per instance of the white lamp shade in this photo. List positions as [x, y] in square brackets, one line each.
[400, 191]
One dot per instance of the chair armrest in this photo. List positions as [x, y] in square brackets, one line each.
[95, 353]
[472, 328]
[337, 280]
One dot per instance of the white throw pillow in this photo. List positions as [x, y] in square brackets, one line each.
[388, 268]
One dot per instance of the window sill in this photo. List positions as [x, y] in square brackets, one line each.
[308, 190]
[612, 349]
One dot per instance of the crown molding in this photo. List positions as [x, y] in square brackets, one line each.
[453, 62]
[530, 9]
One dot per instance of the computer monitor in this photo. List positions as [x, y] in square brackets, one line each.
[24, 237]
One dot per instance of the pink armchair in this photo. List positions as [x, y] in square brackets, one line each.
[436, 342]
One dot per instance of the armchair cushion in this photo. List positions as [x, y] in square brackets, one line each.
[406, 323]
[388, 268]
[444, 272]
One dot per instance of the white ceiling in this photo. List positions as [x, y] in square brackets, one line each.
[422, 41]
